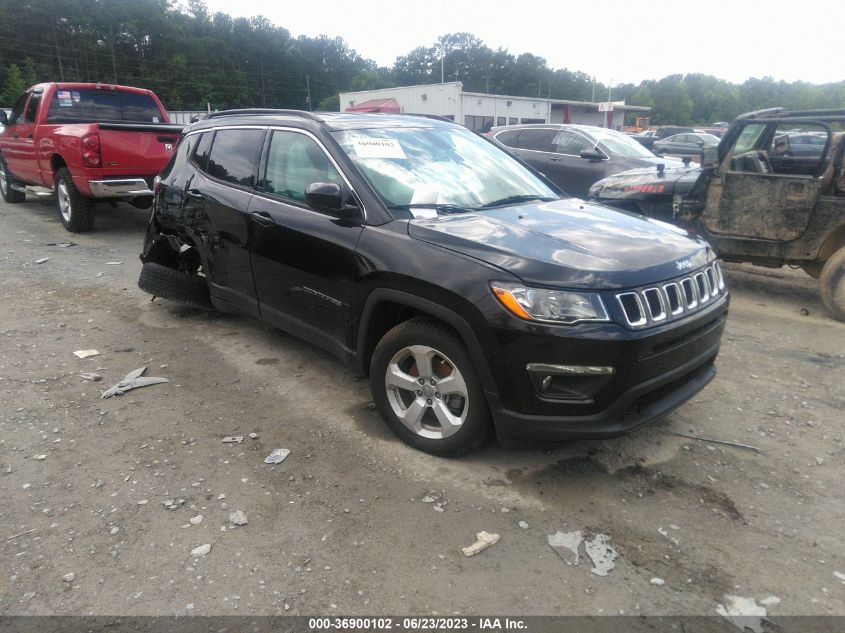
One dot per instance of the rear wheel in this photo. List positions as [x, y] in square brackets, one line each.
[75, 210]
[832, 284]
[426, 389]
[10, 195]
[174, 285]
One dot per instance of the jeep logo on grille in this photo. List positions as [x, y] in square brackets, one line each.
[684, 264]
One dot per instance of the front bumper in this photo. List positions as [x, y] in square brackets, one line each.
[654, 372]
[120, 188]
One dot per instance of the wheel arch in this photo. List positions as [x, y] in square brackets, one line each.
[832, 243]
[387, 307]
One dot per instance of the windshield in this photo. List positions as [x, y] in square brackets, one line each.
[446, 167]
[93, 106]
[619, 145]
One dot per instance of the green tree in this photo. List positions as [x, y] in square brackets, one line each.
[14, 86]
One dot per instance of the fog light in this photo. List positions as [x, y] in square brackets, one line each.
[573, 383]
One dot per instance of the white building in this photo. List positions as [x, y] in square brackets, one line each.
[479, 111]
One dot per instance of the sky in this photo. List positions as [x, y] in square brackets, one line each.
[615, 41]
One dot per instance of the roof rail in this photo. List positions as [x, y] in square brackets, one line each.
[815, 113]
[761, 113]
[264, 111]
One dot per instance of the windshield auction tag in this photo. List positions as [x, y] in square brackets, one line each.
[378, 148]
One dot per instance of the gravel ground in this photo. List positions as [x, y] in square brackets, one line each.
[355, 522]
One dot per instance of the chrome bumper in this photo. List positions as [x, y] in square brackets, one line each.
[125, 188]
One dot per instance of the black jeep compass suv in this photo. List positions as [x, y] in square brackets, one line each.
[454, 275]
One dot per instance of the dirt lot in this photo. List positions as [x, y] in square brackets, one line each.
[341, 525]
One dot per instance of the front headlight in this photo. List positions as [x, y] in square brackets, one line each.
[550, 306]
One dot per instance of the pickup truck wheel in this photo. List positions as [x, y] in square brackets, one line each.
[75, 210]
[174, 285]
[9, 195]
[832, 283]
[425, 387]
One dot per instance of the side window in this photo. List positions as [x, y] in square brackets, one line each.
[748, 138]
[201, 151]
[537, 140]
[508, 137]
[500, 120]
[512, 120]
[570, 143]
[32, 108]
[17, 110]
[234, 156]
[798, 149]
[294, 162]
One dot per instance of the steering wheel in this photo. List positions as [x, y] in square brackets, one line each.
[765, 167]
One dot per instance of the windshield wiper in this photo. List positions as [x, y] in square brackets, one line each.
[515, 200]
[440, 208]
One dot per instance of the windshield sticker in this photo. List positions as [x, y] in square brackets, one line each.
[378, 148]
[75, 96]
[155, 119]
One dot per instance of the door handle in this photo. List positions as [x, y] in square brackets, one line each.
[195, 194]
[262, 217]
[555, 160]
[29, 136]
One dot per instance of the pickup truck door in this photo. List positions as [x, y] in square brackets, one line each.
[19, 143]
[303, 259]
[749, 201]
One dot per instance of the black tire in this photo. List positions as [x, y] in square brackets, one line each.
[448, 352]
[174, 285]
[10, 195]
[75, 210]
[832, 284]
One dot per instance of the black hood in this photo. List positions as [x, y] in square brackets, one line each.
[568, 243]
[647, 182]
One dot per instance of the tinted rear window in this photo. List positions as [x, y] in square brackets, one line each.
[91, 106]
[234, 156]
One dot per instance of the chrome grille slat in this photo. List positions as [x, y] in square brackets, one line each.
[651, 305]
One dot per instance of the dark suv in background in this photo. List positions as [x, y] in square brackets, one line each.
[574, 156]
[454, 276]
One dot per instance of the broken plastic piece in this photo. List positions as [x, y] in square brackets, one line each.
[278, 455]
[238, 517]
[743, 613]
[601, 552]
[132, 380]
[202, 550]
[42, 260]
[233, 439]
[483, 541]
[569, 541]
[90, 375]
[85, 353]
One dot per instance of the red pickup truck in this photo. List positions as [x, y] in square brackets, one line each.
[84, 142]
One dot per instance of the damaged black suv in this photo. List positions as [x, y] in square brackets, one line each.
[473, 295]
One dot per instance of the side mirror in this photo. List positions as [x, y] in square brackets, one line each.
[330, 197]
[592, 154]
[710, 157]
[4, 119]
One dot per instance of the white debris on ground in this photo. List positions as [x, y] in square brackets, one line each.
[133, 380]
[658, 582]
[569, 541]
[238, 517]
[42, 260]
[769, 601]
[598, 547]
[195, 520]
[69, 577]
[743, 613]
[233, 439]
[86, 353]
[92, 376]
[277, 456]
[202, 550]
[839, 576]
[601, 552]
[482, 542]
[523, 524]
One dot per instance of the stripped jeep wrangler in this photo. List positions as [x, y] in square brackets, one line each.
[772, 193]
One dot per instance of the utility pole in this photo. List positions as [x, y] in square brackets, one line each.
[261, 72]
[308, 91]
[594, 89]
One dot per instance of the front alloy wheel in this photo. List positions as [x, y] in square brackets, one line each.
[426, 392]
[425, 387]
